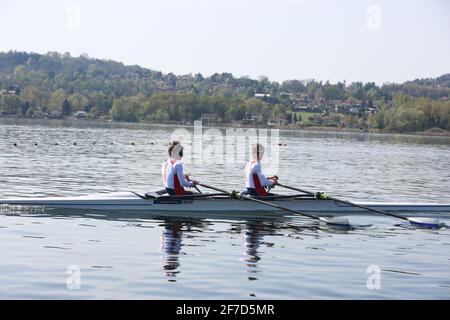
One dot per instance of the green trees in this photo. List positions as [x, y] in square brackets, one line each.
[78, 101]
[10, 105]
[236, 111]
[174, 107]
[356, 90]
[189, 107]
[408, 114]
[334, 92]
[66, 108]
[122, 110]
[33, 96]
[56, 100]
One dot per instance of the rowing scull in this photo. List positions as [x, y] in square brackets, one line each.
[183, 206]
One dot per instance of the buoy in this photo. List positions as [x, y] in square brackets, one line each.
[15, 144]
[74, 143]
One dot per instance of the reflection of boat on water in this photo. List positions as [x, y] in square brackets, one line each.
[249, 235]
[252, 233]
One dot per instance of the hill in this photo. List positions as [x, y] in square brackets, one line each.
[57, 85]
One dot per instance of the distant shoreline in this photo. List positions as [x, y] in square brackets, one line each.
[427, 133]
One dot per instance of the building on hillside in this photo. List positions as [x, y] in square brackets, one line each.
[80, 114]
[266, 97]
[186, 78]
[305, 109]
[55, 115]
[371, 110]
[354, 110]
[255, 118]
[8, 92]
[210, 117]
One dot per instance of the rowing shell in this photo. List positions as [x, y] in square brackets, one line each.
[184, 207]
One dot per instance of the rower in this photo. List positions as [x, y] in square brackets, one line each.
[172, 172]
[254, 178]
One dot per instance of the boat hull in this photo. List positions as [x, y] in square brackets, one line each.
[130, 201]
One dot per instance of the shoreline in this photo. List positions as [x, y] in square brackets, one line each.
[426, 133]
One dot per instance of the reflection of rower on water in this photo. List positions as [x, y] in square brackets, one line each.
[255, 180]
[171, 243]
[253, 238]
[172, 172]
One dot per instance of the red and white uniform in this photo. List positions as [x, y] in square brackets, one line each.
[173, 176]
[255, 179]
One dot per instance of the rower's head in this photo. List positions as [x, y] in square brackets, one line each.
[257, 151]
[175, 150]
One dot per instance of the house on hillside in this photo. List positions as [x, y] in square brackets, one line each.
[8, 92]
[266, 97]
[210, 117]
[80, 114]
[255, 118]
[305, 109]
[55, 115]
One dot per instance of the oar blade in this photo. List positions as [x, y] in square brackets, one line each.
[336, 221]
[427, 223]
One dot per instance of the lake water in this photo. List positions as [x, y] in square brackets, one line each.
[92, 255]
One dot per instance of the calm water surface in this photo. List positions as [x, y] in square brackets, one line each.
[143, 257]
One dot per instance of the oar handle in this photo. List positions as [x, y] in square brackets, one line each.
[196, 188]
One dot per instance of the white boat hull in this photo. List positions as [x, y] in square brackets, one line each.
[130, 201]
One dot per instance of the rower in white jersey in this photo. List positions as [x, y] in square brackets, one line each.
[255, 180]
[172, 172]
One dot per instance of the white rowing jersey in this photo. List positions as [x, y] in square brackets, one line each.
[171, 170]
[252, 173]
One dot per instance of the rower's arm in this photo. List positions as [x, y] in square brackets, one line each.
[264, 181]
[181, 177]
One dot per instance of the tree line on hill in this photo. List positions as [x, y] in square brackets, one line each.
[54, 84]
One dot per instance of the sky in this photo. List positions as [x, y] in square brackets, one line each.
[329, 40]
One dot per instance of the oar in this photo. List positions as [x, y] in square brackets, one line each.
[416, 221]
[341, 222]
[194, 186]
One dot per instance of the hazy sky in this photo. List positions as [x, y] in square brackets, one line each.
[377, 40]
